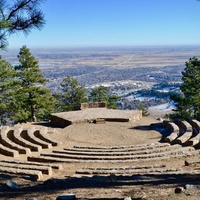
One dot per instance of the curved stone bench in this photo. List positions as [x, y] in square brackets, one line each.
[6, 138]
[52, 165]
[126, 167]
[118, 148]
[193, 141]
[117, 153]
[8, 152]
[175, 151]
[43, 135]
[44, 169]
[192, 162]
[29, 135]
[25, 172]
[187, 132]
[195, 125]
[175, 131]
[126, 171]
[162, 145]
[21, 141]
[49, 159]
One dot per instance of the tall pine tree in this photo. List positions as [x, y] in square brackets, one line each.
[188, 103]
[32, 100]
[7, 87]
[72, 95]
[102, 94]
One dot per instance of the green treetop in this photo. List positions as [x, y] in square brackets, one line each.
[7, 87]
[188, 103]
[32, 100]
[72, 95]
[102, 94]
[19, 16]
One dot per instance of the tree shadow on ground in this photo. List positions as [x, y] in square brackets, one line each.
[51, 186]
[155, 127]
[45, 124]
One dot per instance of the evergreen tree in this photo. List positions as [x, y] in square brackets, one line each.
[191, 85]
[99, 94]
[144, 110]
[72, 95]
[19, 16]
[32, 100]
[7, 87]
[188, 103]
[182, 108]
[102, 94]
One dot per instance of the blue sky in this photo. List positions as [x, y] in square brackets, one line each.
[114, 23]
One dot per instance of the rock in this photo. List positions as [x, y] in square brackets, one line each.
[31, 198]
[159, 119]
[192, 187]
[12, 185]
[139, 195]
[178, 190]
[53, 182]
[66, 197]
[127, 198]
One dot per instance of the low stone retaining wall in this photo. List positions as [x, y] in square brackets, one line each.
[93, 105]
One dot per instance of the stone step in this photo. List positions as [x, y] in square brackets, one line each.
[195, 125]
[8, 152]
[183, 126]
[44, 169]
[121, 149]
[126, 167]
[183, 138]
[113, 153]
[29, 135]
[170, 125]
[24, 172]
[42, 134]
[127, 172]
[52, 165]
[192, 162]
[49, 159]
[142, 156]
[187, 132]
[6, 140]
[99, 121]
[175, 131]
[193, 141]
[23, 142]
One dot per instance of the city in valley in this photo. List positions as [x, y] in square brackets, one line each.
[147, 74]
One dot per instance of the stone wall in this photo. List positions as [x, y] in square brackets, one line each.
[93, 105]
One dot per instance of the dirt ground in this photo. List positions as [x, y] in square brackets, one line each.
[108, 134]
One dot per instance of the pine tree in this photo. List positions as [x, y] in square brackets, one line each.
[99, 94]
[32, 100]
[102, 94]
[7, 87]
[72, 95]
[188, 103]
[144, 110]
[19, 16]
[191, 85]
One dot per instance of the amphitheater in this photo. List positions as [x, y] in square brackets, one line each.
[97, 157]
